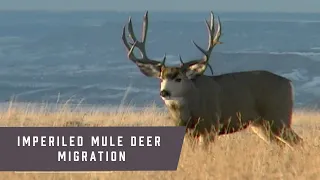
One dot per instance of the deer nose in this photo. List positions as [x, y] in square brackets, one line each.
[164, 93]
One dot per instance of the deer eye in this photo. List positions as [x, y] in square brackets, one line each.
[178, 80]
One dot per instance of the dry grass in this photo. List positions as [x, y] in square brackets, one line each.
[239, 156]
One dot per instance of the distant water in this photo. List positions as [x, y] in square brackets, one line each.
[78, 56]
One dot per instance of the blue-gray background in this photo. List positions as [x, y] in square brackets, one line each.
[165, 5]
[50, 56]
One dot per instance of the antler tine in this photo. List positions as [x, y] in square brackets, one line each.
[124, 40]
[218, 33]
[211, 20]
[144, 27]
[164, 59]
[130, 30]
[180, 58]
[137, 44]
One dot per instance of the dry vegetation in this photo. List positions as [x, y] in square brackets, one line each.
[239, 156]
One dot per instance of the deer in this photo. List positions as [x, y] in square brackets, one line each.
[214, 105]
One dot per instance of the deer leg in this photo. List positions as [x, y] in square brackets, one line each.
[292, 137]
[278, 118]
[286, 135]
[205, 133]
[262, 129]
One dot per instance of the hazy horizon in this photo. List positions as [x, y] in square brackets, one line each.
[154, 11]
[271, 6]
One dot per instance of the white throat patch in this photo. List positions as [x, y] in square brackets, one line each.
[173, 100]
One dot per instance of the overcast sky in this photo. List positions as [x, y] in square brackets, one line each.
[160, 5]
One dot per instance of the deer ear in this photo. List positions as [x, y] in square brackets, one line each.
[149, 70]
[195, 70]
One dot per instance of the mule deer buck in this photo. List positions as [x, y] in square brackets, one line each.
[222, 104]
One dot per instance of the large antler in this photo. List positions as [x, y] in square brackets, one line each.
[139, 44]
[214, 36]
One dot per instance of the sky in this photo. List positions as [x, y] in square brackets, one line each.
[162, 5]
